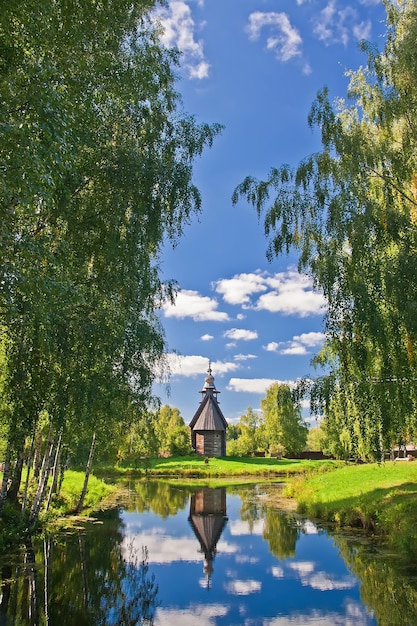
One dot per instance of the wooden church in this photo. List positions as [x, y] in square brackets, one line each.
[208, 426]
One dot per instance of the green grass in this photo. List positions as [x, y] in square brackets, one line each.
[379, 498]
[70, 491]
[196, 467]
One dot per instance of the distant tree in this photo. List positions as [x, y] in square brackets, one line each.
[284, 425]
[316, 438]
[247, 436]
[173, 436]
[233, 432]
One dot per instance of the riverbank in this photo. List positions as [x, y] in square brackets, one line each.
[380, 498]
[99, 495]
[227, 467]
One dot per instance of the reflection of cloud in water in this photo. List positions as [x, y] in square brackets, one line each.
[277, 572]
[224, 547]
[164, 549]
[243, 587]
[323, 582]
[320, 580]
[203, 615]
[242, 558]
[239, 527]
[355, 615]
[302, 567]
[309, 528]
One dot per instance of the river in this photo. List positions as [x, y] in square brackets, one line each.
[170, 555]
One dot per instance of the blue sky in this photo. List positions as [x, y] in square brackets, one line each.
[254, 66]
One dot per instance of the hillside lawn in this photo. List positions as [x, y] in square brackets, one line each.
[380, 498]
[233, 467]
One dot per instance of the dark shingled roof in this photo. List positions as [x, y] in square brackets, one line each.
[208, 415]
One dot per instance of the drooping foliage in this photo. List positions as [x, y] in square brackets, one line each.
[351, 212]
[96, 159]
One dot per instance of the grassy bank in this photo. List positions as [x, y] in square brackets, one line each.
[229, 467]
[379, 498]
[99, 494]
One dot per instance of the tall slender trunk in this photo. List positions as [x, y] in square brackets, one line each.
[37, 455]
[16, 477]
[79, 506]
[54, 471]
[5, 481]
[29, 466]
[46, 556]
[43, 481]
[83, 565]
[31, 574]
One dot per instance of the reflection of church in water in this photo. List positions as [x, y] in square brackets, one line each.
[208, 519]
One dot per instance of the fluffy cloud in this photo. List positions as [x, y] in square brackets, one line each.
[179, 31]
[300, 344]
[291, 293]
[320, 580]
[288, 293]
[254, 385]
[237, 290]
[238, 334]
[337, 25]
[244, 357]
[189, 366]
[204, 614]
[285, 40]
[243, 587]
[206, 337]
[200, 308]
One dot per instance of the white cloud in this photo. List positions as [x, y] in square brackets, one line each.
[242, 334]
[302, 567]
[179, 31]
[243, 587]
[244, 357]
[334, 25]
[320, 580]
[254, 385]
[200, 308]
[237, 290]
[285, 39]
[291, 293]
[194, 365]
[204, 615]
[239, 527]
[206, 337]
[288, 293]
[277, 572]
[300, 344]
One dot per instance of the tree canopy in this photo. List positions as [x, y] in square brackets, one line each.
[96, 156]
[350, 210]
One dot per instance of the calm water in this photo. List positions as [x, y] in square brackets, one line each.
[176, 556]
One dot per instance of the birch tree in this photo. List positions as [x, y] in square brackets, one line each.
[350, 210]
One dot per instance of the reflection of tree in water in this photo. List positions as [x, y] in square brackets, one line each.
[137, 600]
[161, 498]
[252, 510]
[280, 529]
[281, 532]
[384, 586]
[89, 581]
